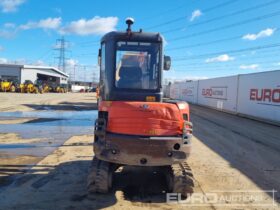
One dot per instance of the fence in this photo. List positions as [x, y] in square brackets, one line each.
[255, 95]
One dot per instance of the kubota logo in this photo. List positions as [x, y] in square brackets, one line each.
[145, 108]
[265, 95]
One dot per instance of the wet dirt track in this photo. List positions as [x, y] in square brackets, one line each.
[229, 154]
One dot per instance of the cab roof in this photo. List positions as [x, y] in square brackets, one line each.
[134, 36]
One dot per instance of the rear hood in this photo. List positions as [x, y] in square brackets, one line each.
[143, 118]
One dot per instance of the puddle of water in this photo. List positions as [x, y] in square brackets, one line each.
[52, 133]
[51, 114]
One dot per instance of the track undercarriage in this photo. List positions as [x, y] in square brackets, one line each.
[179, 177]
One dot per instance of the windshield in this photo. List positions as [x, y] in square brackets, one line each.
[137, 65]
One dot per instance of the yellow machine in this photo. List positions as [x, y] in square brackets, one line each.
[46, 88]
[21, 88]
[63, 88]
[7, 86]
[58, 88]
[42, 86]
[29, 87]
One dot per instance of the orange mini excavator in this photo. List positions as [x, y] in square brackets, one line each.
[135, 126]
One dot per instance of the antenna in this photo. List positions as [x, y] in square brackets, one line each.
[129, 21]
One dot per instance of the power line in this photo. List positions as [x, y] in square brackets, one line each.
[259, 54]
[229, 69]
[85, 54]
[164, 12]
[230, 51]
[252, 58]
[45, 54]
[184, 17]
[209, 43]
[225, 67]
[225, 16]
[228, 26]
[85, 44]
[203, 43]
[266, 54]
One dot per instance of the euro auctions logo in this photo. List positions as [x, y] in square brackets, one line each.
[215, 92]
[265, 96]
[233, 199]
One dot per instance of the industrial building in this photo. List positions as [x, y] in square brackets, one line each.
[32, 73]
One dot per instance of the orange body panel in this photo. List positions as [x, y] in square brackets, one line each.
[145, 118]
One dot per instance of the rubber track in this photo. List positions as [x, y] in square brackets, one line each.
[98, 179]
[183, 181]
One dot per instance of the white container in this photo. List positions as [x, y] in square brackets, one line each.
[175, 91]
[188, 91]
[219, 93]
[259, 95]
[78, 88]
[166, 91]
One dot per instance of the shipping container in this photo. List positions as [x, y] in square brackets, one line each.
[259, 95]
[254, 95]
[166, 91]
[175, 91]
[219, 93]
[188, 91]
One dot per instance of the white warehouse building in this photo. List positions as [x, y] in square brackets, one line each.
[32, 73]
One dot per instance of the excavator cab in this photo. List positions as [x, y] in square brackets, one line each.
[131, 66]
[135, 126]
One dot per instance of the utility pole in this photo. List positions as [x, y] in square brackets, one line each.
[61, 46]
[75, 73]
[85, 68]
[93, 76]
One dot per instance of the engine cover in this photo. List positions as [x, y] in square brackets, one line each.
[145, 118]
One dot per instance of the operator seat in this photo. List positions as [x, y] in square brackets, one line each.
[130, 77]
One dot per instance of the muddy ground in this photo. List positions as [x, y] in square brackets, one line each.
[233, 158]
[48, 101]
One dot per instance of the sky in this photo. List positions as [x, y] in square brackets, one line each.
[204, 38]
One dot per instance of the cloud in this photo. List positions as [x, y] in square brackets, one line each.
[220, 58]
[57, 10]
[71, 62]
[184, 78]
[48, 23]
[277, 64]
[95, 26]
[16, 61]
[9, 25]
[10, 5]
[195, 78]
[39, 63]
[252, 66]
[1, 48]
[264, 33]
[195, 14]
[8, 30]
[7, 33]
[3, 60]
[19, 61]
